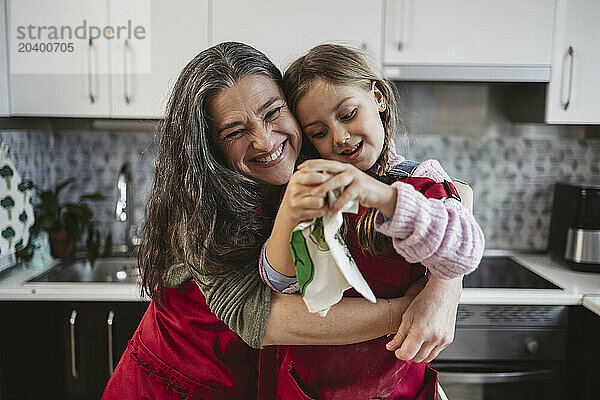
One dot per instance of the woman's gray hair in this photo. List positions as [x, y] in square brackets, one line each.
[201, 212]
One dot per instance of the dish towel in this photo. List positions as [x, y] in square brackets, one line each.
[324, 266]
[16, 210]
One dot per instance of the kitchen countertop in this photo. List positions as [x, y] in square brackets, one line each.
[14, 287]
[574, 286]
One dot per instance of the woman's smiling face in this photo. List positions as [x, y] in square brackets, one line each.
[343, 122]
[256, 131]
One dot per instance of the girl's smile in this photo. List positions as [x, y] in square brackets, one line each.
[343, 122]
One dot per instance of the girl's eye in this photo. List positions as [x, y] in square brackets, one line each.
[319, 134]
[348, 116]
[273, 114]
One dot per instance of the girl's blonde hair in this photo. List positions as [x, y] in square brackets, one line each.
[341, 65]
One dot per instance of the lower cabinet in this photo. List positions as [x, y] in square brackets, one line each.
[63, 350]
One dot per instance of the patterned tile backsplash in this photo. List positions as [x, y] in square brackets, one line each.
[511, 177]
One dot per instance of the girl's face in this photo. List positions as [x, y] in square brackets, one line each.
[256, 131]
[343, 122]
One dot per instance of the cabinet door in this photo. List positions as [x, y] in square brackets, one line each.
[284, 30]
[77, 84]
[117, 322]
[471, 33]
[4, 107]
[572, 96]
[144, 71]
[31, 351]
[95, 336]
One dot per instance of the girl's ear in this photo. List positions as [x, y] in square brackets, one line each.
[378, 96]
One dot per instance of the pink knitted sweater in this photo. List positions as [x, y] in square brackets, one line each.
[440, 234]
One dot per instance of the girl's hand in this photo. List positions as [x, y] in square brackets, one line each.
[298, 203]
[355, 184]
[427, 326]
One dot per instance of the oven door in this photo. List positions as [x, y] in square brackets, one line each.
[480, 380]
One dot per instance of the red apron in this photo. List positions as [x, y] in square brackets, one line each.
[184, 352]
[363, 370]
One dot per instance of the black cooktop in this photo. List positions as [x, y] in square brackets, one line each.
[503, 272]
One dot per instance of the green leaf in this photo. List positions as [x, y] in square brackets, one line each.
[92, 197]
[63, 185]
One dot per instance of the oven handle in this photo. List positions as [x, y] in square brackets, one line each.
[493, 377]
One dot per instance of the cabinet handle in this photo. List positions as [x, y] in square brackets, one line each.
[126, 73]
[109, 324]
[72, 322]
[402, 30]
[571, 54]
[92, 97]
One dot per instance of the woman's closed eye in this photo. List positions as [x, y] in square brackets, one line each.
[273, 114]
[234, 134]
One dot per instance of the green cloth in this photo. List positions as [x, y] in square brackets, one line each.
[241, 300]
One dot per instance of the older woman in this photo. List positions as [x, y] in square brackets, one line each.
[228, 146]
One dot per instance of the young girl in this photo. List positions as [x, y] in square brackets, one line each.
[403, 230]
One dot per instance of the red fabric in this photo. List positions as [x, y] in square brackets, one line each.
[184, 352]
[363, 370]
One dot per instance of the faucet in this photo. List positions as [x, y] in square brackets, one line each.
[124, 207]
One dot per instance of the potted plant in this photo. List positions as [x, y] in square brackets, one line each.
[66, 222]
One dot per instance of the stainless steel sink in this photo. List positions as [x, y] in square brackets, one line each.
[110, 269]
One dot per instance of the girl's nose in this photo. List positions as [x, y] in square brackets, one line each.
[340, 137]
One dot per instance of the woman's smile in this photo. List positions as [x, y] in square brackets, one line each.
[273, 157]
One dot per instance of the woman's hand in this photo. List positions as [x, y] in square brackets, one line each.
[427, 326]
[355, 184]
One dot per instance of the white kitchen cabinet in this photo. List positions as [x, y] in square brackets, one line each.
[284, 30]
[84, 90]
[175, 32]
[492, 40]
[573, 92]
[179, 31]
[4, 103]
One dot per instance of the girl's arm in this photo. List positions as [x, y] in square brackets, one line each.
[440, 234]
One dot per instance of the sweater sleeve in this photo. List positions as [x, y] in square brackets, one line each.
[241, 300]
[441, 234]
[273, 279]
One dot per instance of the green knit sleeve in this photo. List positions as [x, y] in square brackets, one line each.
[241, 300]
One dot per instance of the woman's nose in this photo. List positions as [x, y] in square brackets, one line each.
[263, 139]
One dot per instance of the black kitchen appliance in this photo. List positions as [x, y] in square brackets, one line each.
[575, 226]
[501, 351]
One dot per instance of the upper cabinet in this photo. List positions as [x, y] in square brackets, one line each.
[113, 75]
[4, 104]
[178, 32]
[284, 30]
[470, 40]
[572, 95]
[74, 80]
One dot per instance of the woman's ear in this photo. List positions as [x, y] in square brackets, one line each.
[378, 96]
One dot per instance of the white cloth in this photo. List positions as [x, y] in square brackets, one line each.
[324, 266]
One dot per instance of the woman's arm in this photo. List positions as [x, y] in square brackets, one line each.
[428, 324]
[260, 317]
[352, 320]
